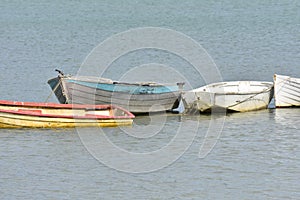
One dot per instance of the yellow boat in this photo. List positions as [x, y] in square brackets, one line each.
[15, 114]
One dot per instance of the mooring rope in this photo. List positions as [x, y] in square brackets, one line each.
[266, 90]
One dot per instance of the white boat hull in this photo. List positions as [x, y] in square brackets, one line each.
[239, 96]
[287, 91]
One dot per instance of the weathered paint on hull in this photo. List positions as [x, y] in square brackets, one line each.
[287, 91]
[130, 88]
[136, 103]
[50, 115]
[208, 101]
[238, 103]
[19, 121]
[133, 103]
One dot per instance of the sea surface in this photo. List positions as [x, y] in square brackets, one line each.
[253, 155]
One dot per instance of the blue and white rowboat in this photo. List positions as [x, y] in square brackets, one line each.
[135, 97]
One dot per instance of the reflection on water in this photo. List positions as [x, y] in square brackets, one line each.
[257, 151]
[288, 117]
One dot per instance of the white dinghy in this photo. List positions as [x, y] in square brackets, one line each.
[287, 91]
[239, 96]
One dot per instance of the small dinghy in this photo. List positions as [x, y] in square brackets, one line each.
[287, 91]
[239, 96]
[135, 97]
[14, 114]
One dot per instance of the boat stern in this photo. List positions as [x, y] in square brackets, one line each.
[57, 88]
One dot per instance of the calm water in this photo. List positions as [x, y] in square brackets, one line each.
[257, 154]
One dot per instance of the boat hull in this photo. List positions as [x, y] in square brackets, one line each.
[133, 97]
[233, 97]
[286, 91]
[42, 115]
[8, 120]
